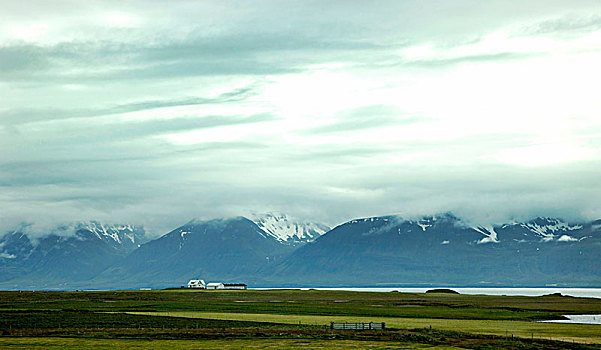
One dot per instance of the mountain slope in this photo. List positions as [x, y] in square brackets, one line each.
[65, 256]
[14, 250]
[222, 249]
[444, 250]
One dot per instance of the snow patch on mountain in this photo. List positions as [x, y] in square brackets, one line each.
[548, 228]
[566, 238]
[489, 233]
[7, 255]
[375, 219]
[424, 226]
[288, 230]
[119, 233]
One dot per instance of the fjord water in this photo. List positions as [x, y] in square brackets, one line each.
[574, 292]
[582, 319]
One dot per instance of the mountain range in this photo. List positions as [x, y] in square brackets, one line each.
[64, 256]
[276, 250]
[444, 250]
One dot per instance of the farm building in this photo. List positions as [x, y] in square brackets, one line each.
[196, 284]
[215, 285]
[235, 286]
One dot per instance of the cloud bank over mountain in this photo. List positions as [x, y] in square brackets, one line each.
[154, 113]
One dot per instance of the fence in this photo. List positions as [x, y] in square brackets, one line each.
[356, 326]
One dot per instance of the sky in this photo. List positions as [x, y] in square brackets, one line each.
[156, 112]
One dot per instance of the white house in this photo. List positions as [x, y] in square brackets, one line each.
[196, 284]
[215, 285]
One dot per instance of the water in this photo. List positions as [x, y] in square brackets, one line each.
[584, 319]
[575, 292]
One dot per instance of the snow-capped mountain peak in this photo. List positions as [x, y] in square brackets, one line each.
[288, 230]
[119, 233]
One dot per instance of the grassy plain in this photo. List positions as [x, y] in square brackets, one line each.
[556, 331]
[312, 302]
[73, 343]
[290, 318]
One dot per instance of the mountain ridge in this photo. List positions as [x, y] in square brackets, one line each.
[438, 249]
[214, 249]
[64, 254]
[445, 250]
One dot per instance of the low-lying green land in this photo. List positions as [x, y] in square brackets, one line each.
[45, 343]
[557, 331]
[290, 318]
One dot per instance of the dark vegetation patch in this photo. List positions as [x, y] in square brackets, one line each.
[442, 290]
[73, 319]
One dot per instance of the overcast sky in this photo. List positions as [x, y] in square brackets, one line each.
[156, 112]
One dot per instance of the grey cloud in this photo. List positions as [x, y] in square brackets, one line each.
[254, 53]
[23, 116]
[192, 68]
[154, 127]
[446, 62]
[20, 58]
[367, 117]
[566, 25]
[486, 194]
[339, 153]
[209, 186]
[393, 61]
[251, 43]
[78, 144]
[132, 131]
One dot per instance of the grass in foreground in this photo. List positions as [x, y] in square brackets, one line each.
[557, 331]
[72, 343]
[30, 319]
[245, 338]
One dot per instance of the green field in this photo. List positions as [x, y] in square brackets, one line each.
[557, 331]
[71, 343]
[312, 302]
[182, 318]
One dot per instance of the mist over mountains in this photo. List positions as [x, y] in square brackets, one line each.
[275, 250]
